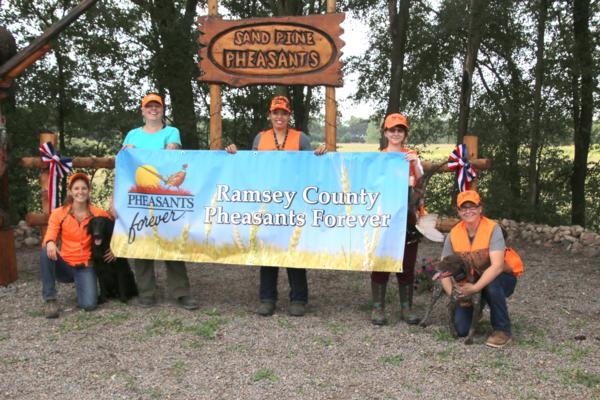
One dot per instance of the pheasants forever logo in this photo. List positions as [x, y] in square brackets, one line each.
[161, 195]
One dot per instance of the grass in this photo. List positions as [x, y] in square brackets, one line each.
[445, 354]
[442, 150]
[335, 328]
[178, 368]
[206, 329]
[580, 377]
[265, 374]
[442, 335]
[395, 360]
[163, 325]
[84, 320]
[324, 340]
[80, 321]
[284, 322]
[502, 365]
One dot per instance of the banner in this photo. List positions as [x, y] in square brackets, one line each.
[277, 208]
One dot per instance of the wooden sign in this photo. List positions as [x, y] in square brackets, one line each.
[285, 50]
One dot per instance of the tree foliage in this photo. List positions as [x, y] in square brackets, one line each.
[533, 87]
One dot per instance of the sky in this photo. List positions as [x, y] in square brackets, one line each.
[355, 37]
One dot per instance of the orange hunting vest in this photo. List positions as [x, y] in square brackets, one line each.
[267, 140]
[477, 254]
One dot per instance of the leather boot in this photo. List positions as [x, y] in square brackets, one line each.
[378, 312]
[406, 299]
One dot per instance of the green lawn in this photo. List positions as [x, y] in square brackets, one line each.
[441, 151]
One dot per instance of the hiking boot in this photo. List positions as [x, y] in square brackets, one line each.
[146, 301]
[266, 308]
[378, 314]
[498, 339]
[51, 309]
[408, 316]
[188, 302]
[405, 292]
[297, 309]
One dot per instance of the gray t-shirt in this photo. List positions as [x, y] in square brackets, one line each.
[496, 242]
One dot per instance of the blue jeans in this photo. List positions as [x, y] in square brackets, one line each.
[84, 278]
[495, 295]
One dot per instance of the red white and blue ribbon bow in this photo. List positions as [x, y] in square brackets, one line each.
[457, 161]
[59, 167]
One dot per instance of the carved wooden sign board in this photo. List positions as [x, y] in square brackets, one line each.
[279, 50]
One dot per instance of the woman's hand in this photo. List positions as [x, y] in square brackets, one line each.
[231, 149]
[109, 256]
[52, 251]
[411, 156]
[466, 289]
[321, 150]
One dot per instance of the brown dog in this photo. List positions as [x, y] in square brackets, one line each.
[454, 267]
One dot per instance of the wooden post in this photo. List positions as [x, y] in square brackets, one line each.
[216, 125]
[8, 259]
[444, 224]
[472, 142]
[330, 105]
[45, 176]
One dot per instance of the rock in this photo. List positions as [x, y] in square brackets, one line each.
[587, 238]
[576, 247]
[570, 238]
[591, 252]
[31, 241]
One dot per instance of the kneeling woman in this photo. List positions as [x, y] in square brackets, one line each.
[70, 262]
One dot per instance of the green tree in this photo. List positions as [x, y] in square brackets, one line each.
[373, 134]
[584, 76]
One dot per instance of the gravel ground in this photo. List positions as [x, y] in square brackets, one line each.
[225, 351]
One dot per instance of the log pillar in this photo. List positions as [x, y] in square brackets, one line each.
[44, 177]
[472, 142]
[216, 123]
[8, 257]
[330, 104]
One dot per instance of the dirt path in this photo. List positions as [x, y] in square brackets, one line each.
[225, 351]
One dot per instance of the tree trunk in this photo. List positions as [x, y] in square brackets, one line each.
[475, 25]
[534, 149]
[583, 109]
[175, 69]
[398, 33]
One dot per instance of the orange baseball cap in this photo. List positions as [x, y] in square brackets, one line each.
[150, 98]
[280, 103]
[394, 120]
[466, 196]
[79, 175]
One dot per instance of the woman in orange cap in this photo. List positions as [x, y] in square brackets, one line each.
[156, 134]
[393, 138]
[70, 262]
[480, 243]
[281, 137]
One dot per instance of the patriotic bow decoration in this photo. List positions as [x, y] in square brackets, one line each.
[457, 161]
[59, 168]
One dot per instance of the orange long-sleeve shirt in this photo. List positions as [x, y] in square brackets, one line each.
[76, 242]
